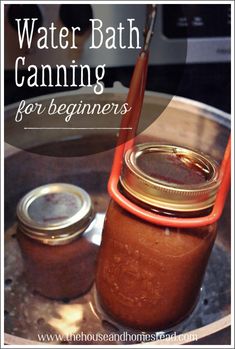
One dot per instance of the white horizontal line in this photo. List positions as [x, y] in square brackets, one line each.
[77, 128]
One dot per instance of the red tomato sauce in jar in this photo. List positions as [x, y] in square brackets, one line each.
[149, 276]
[53, 234]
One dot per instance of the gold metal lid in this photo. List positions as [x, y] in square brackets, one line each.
[170, 177]
[56, 213]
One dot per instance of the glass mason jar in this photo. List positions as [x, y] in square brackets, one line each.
[53, 234]
[149, 276]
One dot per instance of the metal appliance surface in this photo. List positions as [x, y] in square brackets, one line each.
[196, 34]
[201, 32]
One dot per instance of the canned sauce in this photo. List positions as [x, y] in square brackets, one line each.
[149, 276]
[53, 229]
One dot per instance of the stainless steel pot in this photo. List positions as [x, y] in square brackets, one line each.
[185, 122]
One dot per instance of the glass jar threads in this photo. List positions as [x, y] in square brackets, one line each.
[53, 221]
[149, 276]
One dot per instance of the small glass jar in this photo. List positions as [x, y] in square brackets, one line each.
[53, 233]
[149, 276]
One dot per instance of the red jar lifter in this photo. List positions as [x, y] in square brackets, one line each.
[128, 128]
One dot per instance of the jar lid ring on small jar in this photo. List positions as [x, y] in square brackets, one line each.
[164, 191]
[55, 213]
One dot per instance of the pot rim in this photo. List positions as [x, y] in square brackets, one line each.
[199, 333]
[209, 111]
